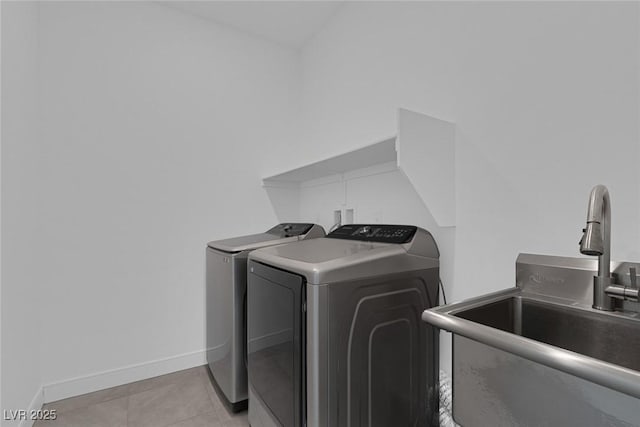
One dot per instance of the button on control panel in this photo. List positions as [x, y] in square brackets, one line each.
[383, 233]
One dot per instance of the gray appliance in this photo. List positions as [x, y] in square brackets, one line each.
[226, 289]
[335, 336]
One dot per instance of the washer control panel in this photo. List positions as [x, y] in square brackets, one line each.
[383, 233]
[289, 229]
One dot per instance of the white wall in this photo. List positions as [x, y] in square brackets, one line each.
[20, 358]
[157, 127]
[545, 98]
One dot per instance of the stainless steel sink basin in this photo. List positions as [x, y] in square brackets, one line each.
[608, 338]
[538, 354]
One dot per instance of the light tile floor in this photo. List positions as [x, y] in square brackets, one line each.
[181, 399]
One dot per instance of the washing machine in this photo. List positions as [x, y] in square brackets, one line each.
[335, 336]
[226, 290]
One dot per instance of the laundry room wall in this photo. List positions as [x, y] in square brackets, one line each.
[545, 99]
[157, 127]
[21, 240]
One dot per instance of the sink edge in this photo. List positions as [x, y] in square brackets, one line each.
[606, 374]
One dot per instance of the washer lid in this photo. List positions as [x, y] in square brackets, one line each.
[281, 233]
[322, 251]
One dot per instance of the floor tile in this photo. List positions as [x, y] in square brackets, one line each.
[209, 419]
[225, 416]
[169, 404]
[238, 420]
[180, 399]
[106, 414]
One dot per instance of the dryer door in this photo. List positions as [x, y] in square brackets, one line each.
[275, 342]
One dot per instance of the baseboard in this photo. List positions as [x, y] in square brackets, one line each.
[35, 405]
[115, 377]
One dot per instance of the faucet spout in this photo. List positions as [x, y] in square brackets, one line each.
[596, 241]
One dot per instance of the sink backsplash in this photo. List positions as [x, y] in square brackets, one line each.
[569, 279]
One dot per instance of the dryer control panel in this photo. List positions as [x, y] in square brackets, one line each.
[383, 233]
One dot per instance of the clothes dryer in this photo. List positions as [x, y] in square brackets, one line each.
[335, 336]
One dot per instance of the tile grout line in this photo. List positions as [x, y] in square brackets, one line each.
[204, 388]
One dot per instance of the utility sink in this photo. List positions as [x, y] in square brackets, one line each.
[538, 354]
[612, 339]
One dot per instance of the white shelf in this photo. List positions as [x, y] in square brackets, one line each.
[371, 155]
[424, 150]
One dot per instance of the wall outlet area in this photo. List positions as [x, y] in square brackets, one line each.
[337, 218]
[343, 216]
[349, 216]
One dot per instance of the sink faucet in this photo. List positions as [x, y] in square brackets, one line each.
[596, 241]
